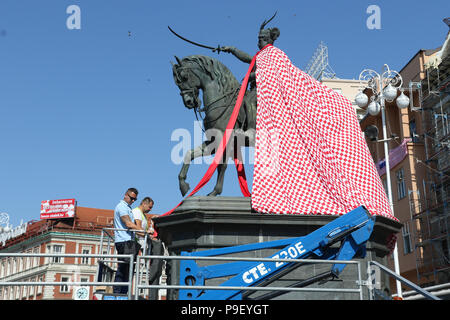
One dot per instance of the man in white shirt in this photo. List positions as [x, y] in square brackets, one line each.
[153, 246]
[140, 219]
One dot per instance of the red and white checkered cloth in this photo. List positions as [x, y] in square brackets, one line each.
[310, 156]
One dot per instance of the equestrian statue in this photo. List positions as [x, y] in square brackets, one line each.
[220, 88]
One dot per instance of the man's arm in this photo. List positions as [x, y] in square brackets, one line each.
[130, 224]
[241, 55]
[137, 218]
[138, 223]
[152, 224]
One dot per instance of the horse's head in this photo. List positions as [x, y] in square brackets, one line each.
[198, 72]
[188, 82]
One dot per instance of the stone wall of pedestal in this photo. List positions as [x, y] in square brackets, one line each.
[203, 223]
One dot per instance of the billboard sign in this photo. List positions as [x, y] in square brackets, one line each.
[55, 209]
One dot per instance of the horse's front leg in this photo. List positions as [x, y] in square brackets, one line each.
[189, 156]
[221, 168]
[244, 138]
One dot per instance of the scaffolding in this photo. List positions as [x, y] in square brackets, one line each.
[432, 238]
[319, 67]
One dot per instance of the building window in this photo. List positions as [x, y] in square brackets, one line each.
[85, 250]
[64, 288]
[406, 234]
[55, 249]
[384, 181]
[20, 264]
[445, 249]
[8, 269]
[39, 288]
[36, 261]
[2, 268]
[27, 261]
[24, 292]
[31, 291]
[401, 188]
[413, 131]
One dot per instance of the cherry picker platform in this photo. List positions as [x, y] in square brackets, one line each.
[351, 230]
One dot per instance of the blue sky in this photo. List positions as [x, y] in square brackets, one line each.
[87, 113]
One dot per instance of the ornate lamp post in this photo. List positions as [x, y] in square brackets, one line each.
[384, 87]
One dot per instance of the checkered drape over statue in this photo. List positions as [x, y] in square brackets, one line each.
[310, 155]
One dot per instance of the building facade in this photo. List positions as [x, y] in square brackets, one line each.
[419, 164]
[78, 235]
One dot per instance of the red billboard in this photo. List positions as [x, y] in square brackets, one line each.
[52, 209]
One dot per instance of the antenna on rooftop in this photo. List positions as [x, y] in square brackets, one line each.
[318, 67]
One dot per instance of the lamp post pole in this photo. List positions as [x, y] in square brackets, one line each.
[388, 183]
[376, 83]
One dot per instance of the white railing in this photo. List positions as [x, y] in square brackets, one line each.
[71, 283]
[137, 278]
[142, 265]
[358, 282]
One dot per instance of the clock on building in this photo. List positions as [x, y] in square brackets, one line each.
[81, 293]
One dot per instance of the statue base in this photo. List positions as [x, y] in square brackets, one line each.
[203, 223]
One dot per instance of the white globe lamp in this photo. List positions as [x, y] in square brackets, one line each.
[374, 108]
[390, 93]
[361, 99]
[402, 101]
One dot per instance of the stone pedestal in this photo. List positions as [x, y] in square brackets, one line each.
[203, 223]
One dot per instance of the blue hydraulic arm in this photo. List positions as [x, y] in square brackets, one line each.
[352, 229]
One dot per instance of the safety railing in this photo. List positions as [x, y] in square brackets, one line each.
[110, 237]
[142, 265]
[140, 286]
[358, 282]
[109, 263]
[410, 284]
[437, 290]
[71, 283]
[139, 265]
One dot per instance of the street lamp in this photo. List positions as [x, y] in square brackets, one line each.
[384, 87]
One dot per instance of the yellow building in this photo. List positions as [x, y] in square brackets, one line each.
[349, 89]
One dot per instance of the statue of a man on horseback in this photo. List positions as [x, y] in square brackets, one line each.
[220, 88]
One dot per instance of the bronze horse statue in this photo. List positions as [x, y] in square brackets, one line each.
[220, 88]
